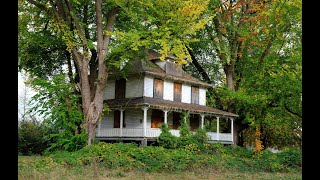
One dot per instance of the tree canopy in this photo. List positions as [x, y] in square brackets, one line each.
[250, 50]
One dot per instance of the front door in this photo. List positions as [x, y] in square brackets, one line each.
[156, 118]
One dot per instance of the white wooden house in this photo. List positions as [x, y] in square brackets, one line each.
[156, 92]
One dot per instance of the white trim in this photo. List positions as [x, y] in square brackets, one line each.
[145, 109]
[202, 120]
[165, 116]
[232, 130]
[218, 133]
[121, 121]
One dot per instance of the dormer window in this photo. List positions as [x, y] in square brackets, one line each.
[158, 88]
[194, 95]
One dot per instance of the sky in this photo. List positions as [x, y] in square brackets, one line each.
[21, 89]
[20, 83]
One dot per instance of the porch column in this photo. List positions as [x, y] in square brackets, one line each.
[202, 120]
[121, 121]
[231, 129]
[165, 116]
[218, 135]
[145, 109]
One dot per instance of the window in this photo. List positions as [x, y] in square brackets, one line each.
[120, 89]
[194, 95]
[158, 88]
[177, 92]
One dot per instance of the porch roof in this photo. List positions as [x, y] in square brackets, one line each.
[166, 105]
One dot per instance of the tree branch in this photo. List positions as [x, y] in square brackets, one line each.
[39, 5]
[198, 66]
[290, 111]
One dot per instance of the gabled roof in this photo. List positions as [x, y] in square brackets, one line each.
[165, 104]
[150, 67]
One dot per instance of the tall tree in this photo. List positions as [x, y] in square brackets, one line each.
[240, 39]
[94, 30]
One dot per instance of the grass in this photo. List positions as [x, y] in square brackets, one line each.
[28, 168]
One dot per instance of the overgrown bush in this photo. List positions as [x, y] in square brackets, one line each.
[31, 139]
[128, 156]
[66, 141]
[290, 157]
[185, 137]
[166, 139]
[201, 138]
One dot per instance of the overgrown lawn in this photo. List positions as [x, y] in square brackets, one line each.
[128, 161]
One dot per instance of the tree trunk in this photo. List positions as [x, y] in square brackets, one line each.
[94, 111]
[229, 71]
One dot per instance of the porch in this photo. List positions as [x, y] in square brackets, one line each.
[153, 133]
[140, 119]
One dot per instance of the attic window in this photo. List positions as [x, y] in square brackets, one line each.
[194, 95]
[158, 88]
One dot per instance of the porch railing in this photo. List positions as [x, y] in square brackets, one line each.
[154, 132]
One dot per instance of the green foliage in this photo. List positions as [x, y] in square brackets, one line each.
[185, 137]
[200, 137]
[265, 49]
[41, 54]
[57, 102]
[290, 157]
[167, 26]
[166, 139]
[31, 137]
[67, 141]
[130, 157]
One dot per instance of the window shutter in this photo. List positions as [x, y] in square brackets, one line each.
[177, 92]
[194, 95]
[158, 88]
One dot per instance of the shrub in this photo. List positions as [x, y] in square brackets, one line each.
[290, 157]
[67, 141]
[31, 137]
[201, 138]
[166, 139]
[214, 148]
[185, 137]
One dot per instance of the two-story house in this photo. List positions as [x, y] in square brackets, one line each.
[156, 92]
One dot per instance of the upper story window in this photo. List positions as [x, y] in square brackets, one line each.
[177, 92]
[120, 89]
[158, 88]
[194, 95]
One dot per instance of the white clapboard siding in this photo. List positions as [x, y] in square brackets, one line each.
[134, 87]
[186, 93]
[107, 121]
[109, 92]
[148, 87]
[202, 96]
[168, 90]
[133, 116]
